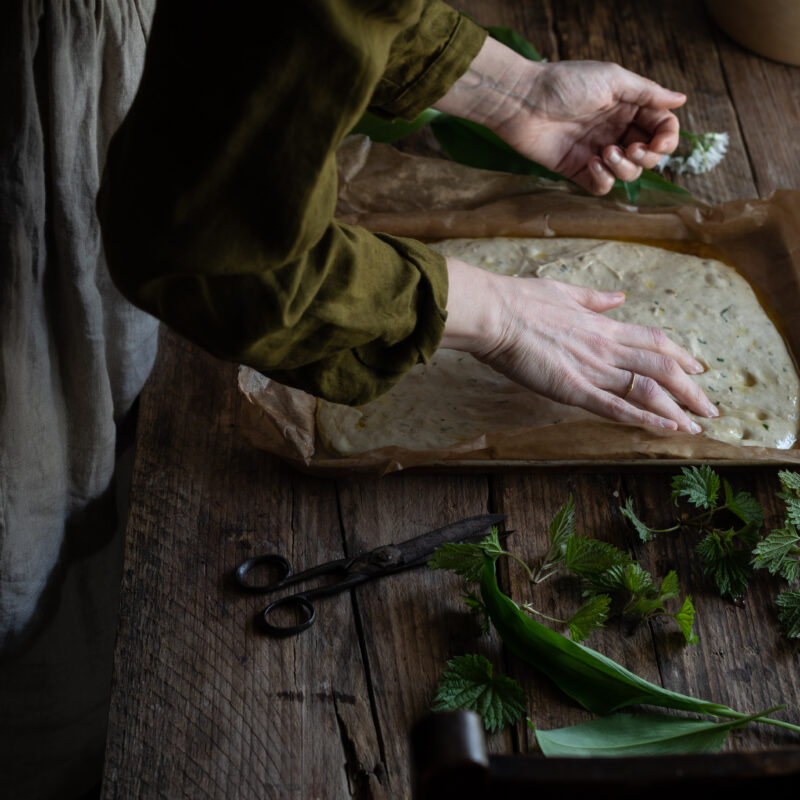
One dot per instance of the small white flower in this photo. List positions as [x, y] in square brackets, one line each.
[708, 149]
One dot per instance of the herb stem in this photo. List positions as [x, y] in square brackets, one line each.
[530, 609]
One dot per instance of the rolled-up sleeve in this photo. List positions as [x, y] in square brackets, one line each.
[219, 188]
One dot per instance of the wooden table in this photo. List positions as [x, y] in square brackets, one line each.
[204, 706]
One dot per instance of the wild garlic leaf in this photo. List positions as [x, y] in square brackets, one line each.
[466, 558]
[645, 534]
[591, 616]
[789, 613]
[685, 619]
[468, 683]
[773, 553]
[648, 734]
[590, 557]
[728, 567]
[700, 485]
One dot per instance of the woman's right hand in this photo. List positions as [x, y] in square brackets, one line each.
[553, 338]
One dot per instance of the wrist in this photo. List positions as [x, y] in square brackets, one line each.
[473, 308]
[496, 87]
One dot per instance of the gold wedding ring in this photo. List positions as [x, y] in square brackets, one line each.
[630, 385]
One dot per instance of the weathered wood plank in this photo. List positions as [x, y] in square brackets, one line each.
[767, 99]
[204, 706]
[415, 621]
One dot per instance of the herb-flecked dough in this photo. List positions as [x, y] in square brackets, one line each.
[702, 304]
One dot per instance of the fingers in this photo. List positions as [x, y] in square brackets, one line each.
[654, 371]
[654, 340]
[653, 135]
[611, 406]
[640, 91]
[592, 299]
[619, 164]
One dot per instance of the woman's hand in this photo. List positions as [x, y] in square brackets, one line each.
[553, 338]
[590, 121]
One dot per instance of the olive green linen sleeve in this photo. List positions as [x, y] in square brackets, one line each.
[219, 188]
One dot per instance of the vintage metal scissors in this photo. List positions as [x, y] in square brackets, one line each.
[350, 572]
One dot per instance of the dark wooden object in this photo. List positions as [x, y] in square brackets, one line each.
[203, 706]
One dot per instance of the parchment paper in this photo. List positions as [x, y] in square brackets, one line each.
[385, 190]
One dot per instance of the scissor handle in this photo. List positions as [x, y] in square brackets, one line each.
[243, 570]
[299, 601]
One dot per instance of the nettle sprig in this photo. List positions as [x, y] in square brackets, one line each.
[612, 583]
[730, 525]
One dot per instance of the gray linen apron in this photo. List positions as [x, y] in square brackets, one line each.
[73, 357]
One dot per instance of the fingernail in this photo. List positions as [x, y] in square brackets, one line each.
[597, 167]
[713, 411]
[694, 427]
[697, 368]
[614, 157]
[637, 153]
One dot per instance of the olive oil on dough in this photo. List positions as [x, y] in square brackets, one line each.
[703, 305]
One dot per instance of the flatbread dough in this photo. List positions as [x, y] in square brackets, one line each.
[704, 305]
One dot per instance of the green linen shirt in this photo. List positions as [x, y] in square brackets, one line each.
[219, 188]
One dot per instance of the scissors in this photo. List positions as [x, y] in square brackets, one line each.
[350, 572]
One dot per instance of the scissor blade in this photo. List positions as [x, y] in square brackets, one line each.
[417, 550]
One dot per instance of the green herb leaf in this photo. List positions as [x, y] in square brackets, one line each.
[638, 735]
[744, 506]
[598, 683]
[589, 558]
[776, 553]
[561, 528]
[391, 130]
[790, 481]
[729, 567]
[466, 558]
[476, 146]
[591, 616]
[789, 613]
[685, 620]
[476, 606]
[468, 683]
[645, 534]
[699, 484]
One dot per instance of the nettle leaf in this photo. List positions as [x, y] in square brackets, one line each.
[591, 616]
[476, 606]
[669, 586]
[466, 558]
[730, 568]
[645, 534]
[638, 735]
[700, 485]
[685, 619]
[561, 528]
[744, 506]
[773, 553]
[588, 558]
[790, 481]
[468, 683]
[789, 613]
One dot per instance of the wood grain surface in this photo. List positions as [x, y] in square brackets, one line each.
[205, 706]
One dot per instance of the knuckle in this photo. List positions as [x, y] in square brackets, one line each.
[649, 389]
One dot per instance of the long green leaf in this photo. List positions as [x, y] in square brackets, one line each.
[391, 130]
[598, 683]
[476, 146]
[638, 735]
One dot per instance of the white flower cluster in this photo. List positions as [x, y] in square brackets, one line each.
[708, 149]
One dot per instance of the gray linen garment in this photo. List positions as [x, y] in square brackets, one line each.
[73, 357]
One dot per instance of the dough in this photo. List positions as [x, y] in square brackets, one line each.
[704, 305]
